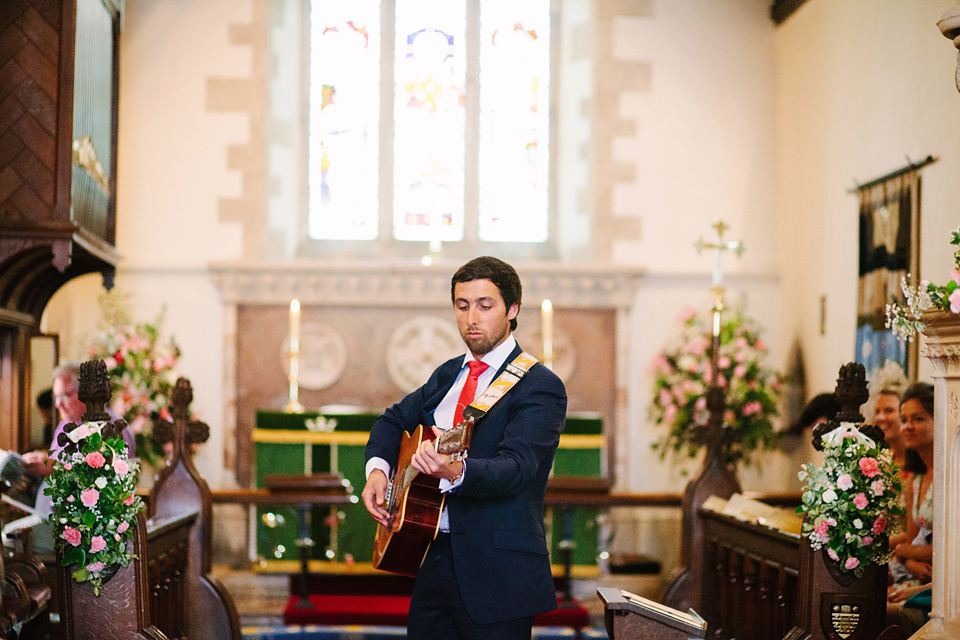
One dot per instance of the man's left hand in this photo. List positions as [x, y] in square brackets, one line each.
[439, 465]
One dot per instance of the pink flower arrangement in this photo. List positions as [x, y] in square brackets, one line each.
[682, 373]
[856, 490]
[141, 367]
[93, 488]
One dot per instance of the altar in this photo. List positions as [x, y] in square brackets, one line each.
[333, 442]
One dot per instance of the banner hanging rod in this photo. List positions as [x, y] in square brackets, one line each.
[911, 166]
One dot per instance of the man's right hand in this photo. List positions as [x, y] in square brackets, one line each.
[374, 494]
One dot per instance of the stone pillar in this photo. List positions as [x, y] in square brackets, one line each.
[942, 348]
[949, 24]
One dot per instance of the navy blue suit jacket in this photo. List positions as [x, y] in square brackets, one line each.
[496, 514]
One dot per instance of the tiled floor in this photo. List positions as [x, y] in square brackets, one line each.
[262, 597]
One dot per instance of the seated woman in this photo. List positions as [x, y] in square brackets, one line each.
[914, 550]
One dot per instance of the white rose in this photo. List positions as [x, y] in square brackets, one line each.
[829, 495]
[101, 482]
[858, 523]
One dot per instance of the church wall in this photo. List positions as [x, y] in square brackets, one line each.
[859, 90]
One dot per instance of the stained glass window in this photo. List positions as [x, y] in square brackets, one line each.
[344, 117]
[430, 81]
[454, 90]
[514, 120]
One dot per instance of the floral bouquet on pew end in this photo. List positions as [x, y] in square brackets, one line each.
[95, 504]
[852, 502]
[905, 319]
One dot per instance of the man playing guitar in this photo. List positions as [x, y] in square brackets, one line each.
[487, 572]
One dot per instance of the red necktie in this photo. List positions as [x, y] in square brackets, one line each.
[469, 388]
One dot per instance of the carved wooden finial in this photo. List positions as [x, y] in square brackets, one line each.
[181, 397]
[93, 390]
[195, 432]
[851, 392]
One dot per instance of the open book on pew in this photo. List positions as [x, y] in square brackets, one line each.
[18, 486]
[750, 510]
[628, 615]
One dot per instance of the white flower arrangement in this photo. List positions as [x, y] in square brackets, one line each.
[852, 502]
[904, 318]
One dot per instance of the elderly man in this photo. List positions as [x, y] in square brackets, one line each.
[66, 385]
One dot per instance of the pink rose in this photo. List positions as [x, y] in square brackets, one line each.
[752, 408]
[867, 540]
[821, 528]
[67, 466]
[123, 527]
[89, 497]
[120, 467]
[129, 500]
[70, 498]
[95, 459]
[833, 554]
[97, 544]
[879, 525]
[869, 467]
[860, 501]
[955, 301]
[71, 535]
[845, 481]
[95, 567]
[851, 563]
[877, 487]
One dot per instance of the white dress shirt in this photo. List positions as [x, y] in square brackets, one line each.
[443, 414]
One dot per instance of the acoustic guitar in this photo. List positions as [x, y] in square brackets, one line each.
[414, 502]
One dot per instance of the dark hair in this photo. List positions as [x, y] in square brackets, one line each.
[824, 405]
[496, 271]
[45, 399]
[922, 392]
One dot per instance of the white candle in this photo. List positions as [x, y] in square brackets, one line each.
[294, 377]
[295, 327]
[546, 329]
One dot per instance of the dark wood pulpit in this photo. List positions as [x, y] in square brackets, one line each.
[628, 615]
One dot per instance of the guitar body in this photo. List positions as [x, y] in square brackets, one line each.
[414, 502]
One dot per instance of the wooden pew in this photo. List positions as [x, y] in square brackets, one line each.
[179, 488]
[750, 579]
[167, 590]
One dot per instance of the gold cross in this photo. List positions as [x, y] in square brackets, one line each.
[719, 246]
